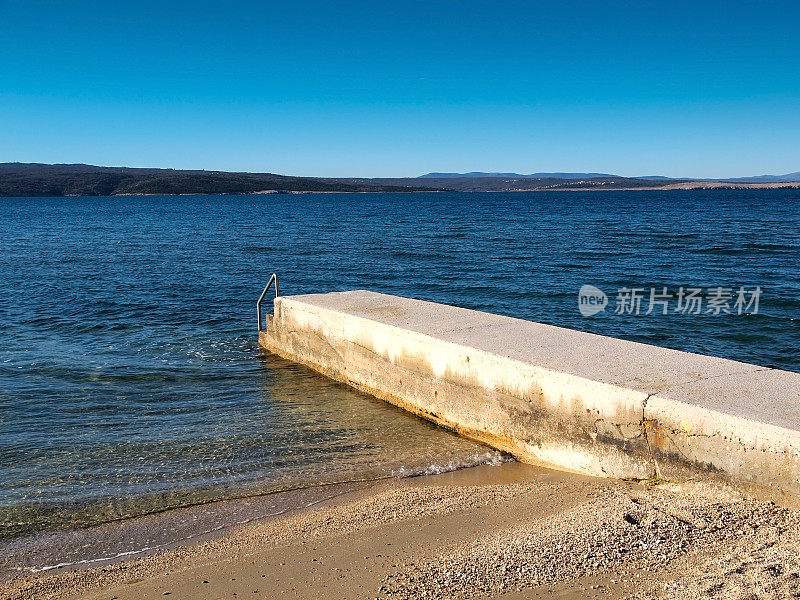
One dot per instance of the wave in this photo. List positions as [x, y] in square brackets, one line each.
[492, 458]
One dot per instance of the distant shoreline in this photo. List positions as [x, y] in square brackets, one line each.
[25, 180]
[795, 185]
[706, 185]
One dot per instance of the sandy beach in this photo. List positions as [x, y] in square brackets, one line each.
[512, 531]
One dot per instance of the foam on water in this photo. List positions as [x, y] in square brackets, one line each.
[492, 458]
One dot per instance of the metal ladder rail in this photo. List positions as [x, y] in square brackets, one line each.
[273, 279]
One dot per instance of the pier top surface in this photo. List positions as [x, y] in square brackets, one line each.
[749, 391]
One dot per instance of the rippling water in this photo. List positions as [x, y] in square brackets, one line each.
[130, 378]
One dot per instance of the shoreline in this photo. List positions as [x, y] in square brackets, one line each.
[145, 534]
[685, 186]
[514, 528]
[74, 547]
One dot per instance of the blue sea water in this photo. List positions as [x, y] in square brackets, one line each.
[130, 377]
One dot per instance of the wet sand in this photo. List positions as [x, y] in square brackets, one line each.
[513, 531]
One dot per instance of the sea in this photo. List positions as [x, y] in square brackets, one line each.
[131, 381]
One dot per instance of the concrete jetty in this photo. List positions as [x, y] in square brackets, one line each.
[579, 401]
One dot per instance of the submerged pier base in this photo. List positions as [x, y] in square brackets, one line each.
[578, 401]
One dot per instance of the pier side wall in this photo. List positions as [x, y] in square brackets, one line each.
[626, 420]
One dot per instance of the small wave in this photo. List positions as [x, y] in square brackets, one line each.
[492, 458]
[88, 562]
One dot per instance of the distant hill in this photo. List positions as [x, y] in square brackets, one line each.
[477, 174]
[33, 179]
[768, 178]
[789, 177]
[513, 183]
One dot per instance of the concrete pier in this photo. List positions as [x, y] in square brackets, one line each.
[579, 401]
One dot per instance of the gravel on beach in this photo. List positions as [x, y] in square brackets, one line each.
[474, 534]
[751, 549]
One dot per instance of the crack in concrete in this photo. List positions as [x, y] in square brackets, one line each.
[618, 427]
[656, 474]
[732, 440]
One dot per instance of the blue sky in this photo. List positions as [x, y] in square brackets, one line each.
[379, 89]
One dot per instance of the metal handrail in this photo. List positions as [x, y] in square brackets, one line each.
[273, 278]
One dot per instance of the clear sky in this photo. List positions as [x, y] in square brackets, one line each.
[338, 88]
